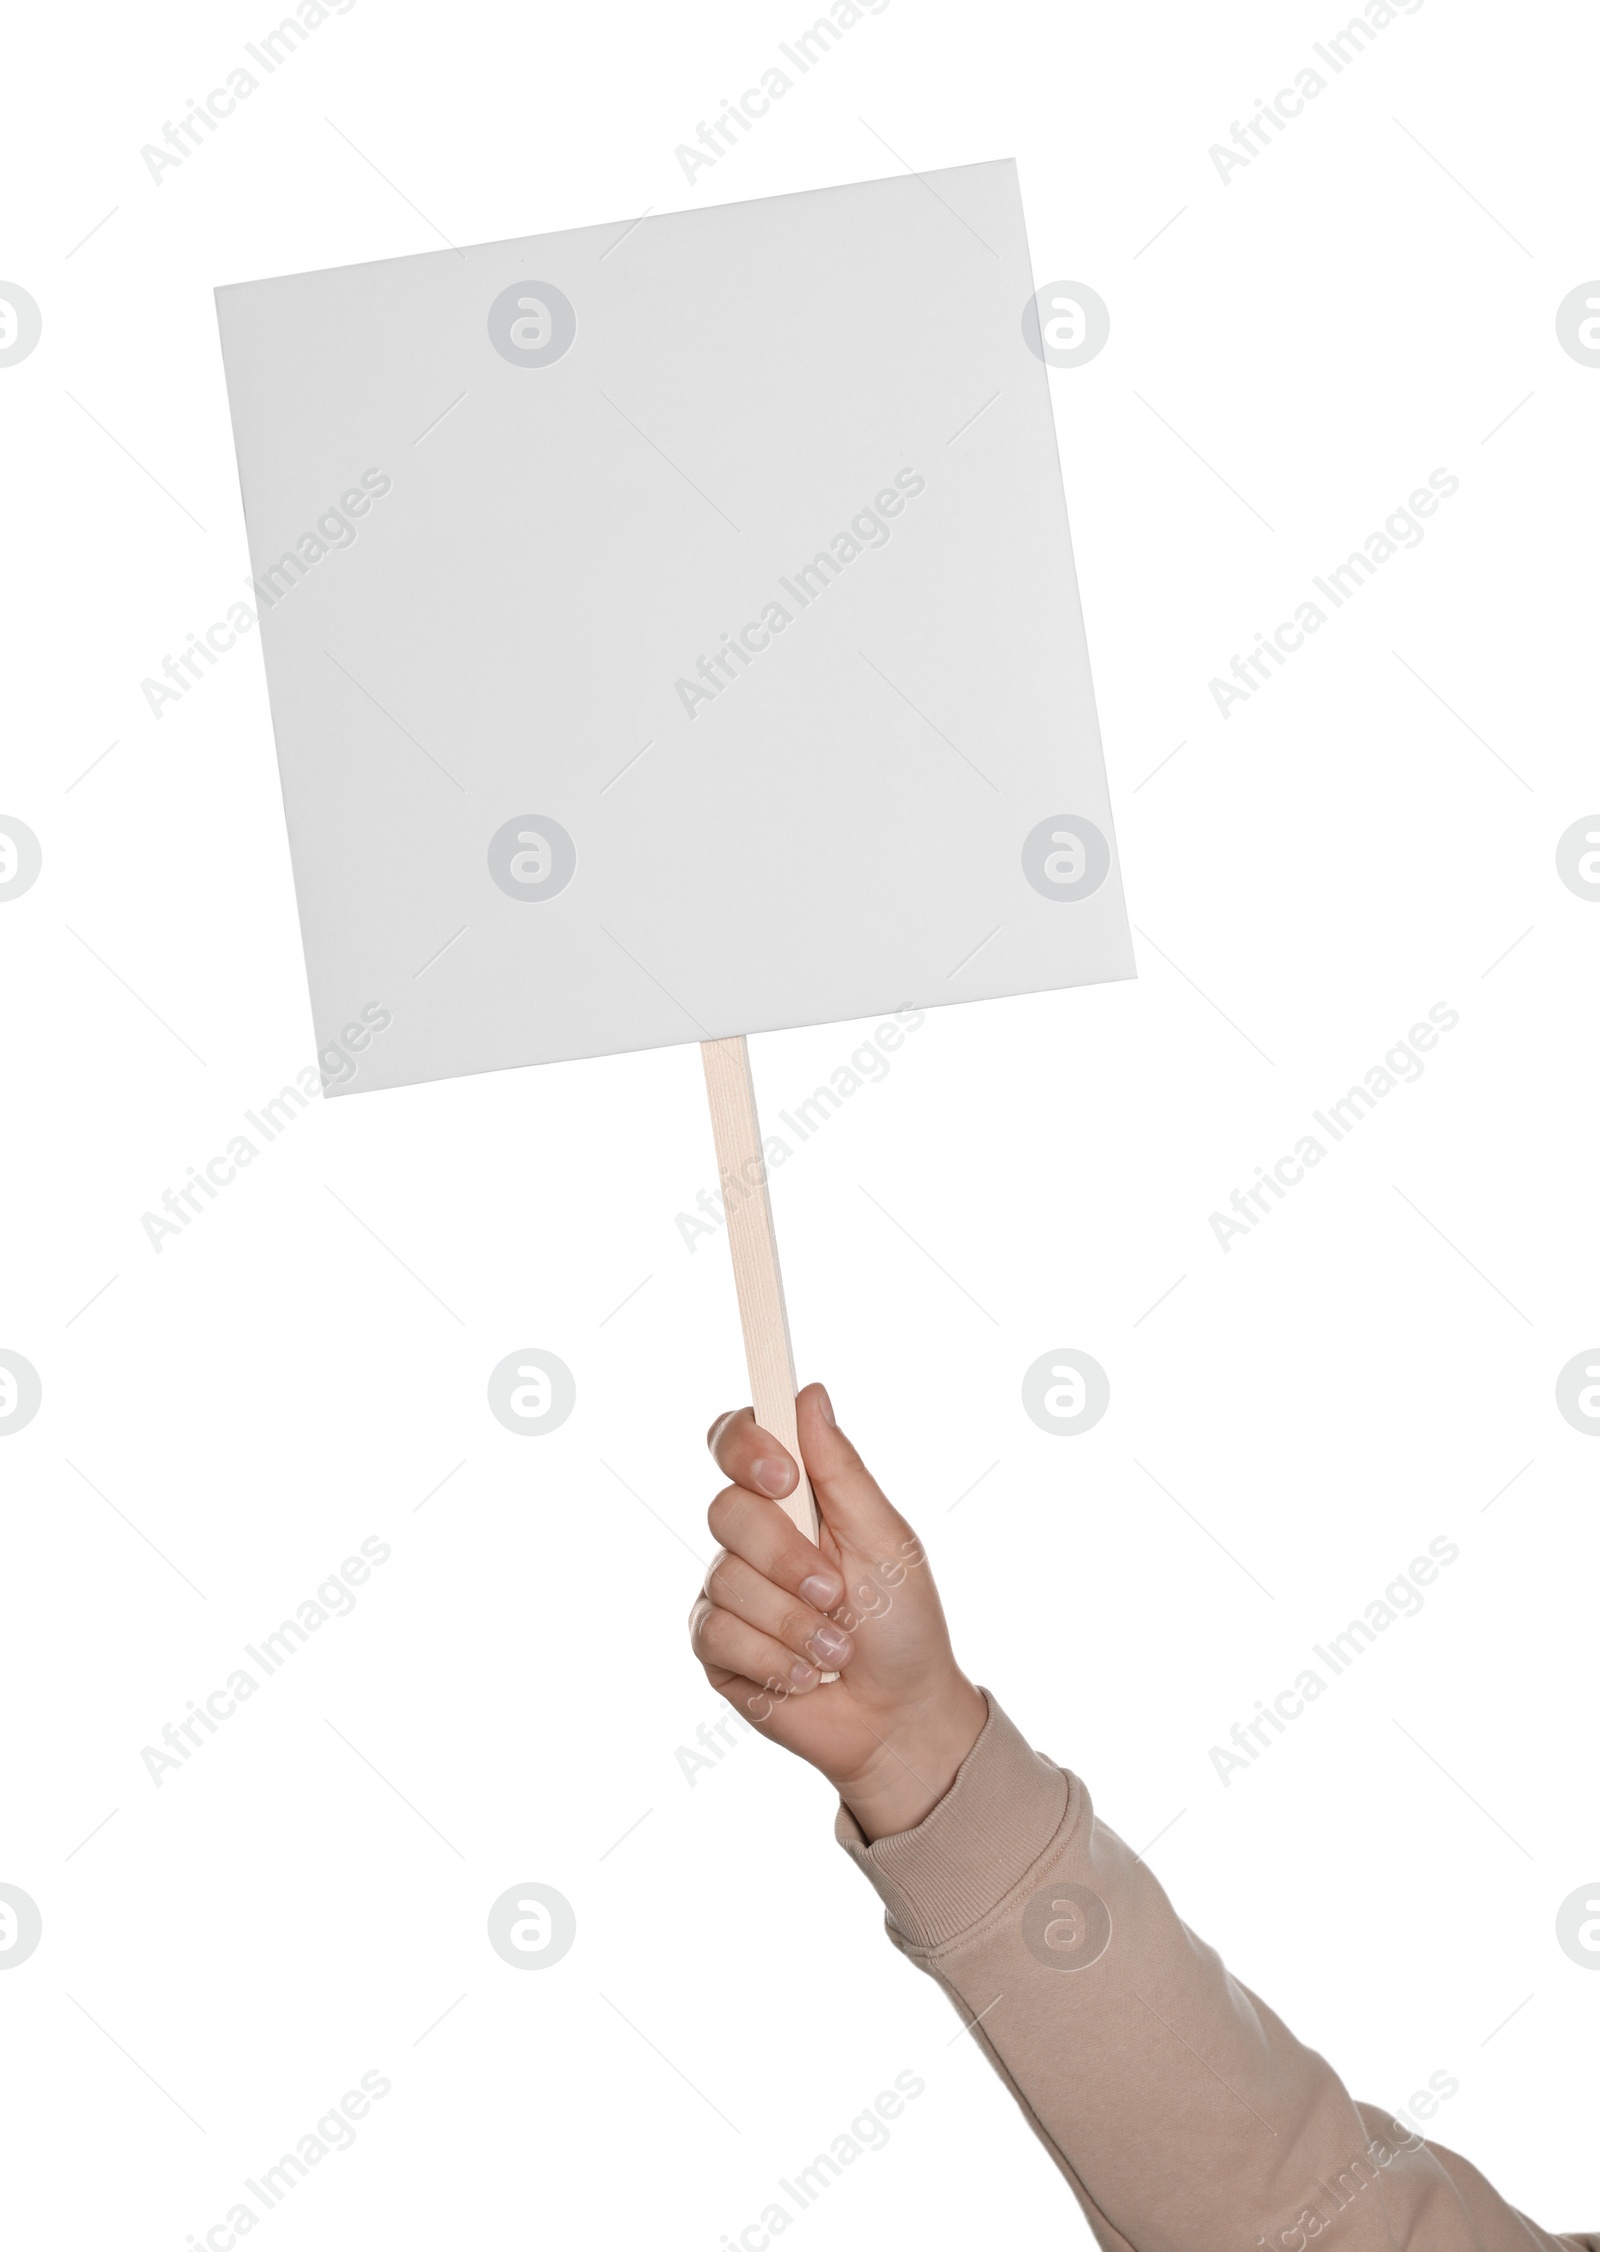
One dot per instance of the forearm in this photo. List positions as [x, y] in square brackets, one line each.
[1180, 2109]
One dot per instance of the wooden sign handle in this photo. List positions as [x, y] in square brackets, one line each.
[763, 1316]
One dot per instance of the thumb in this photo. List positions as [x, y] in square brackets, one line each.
[853, 1505]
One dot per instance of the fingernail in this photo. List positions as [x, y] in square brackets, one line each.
[773, 1477]
[826, 1406]
[801, 1674]
[820, 1592]
[829, 1647]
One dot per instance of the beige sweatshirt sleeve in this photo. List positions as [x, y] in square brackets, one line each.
[1184, 2115]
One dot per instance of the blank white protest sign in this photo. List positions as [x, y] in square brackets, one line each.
[671, 629]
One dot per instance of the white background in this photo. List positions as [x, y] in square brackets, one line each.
[1371, 1367]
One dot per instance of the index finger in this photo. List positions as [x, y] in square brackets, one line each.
[748, 1456]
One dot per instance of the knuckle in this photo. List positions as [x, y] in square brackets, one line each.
[719, 1581]
[739, 1518]
[721, 1427]
[725, 1513]
[716, 1637]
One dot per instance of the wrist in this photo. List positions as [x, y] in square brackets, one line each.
[917, 1762]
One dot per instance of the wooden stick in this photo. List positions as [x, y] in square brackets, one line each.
[763, 1316]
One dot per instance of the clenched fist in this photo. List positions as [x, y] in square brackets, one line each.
[776, 1614]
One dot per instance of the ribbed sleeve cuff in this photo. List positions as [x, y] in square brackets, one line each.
[1005, 1806]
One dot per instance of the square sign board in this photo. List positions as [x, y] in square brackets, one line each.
[671, 629]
